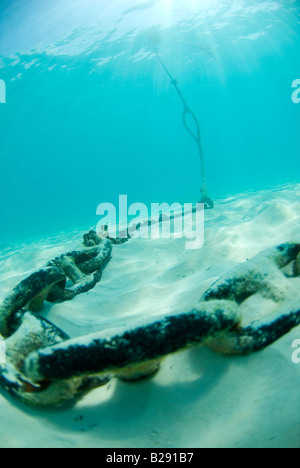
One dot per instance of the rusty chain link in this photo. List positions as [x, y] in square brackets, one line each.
[45, 367]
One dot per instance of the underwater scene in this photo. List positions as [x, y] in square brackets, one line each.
[150, 225]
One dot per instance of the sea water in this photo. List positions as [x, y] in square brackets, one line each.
[92, 95]
[88, 113]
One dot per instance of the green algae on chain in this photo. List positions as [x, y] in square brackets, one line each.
[44, 367]
[218, 323]
[273, 278]
[83, 268]
[33, 333]
[26, 332]
[91, 354]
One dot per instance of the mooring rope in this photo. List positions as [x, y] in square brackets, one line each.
[209, 204]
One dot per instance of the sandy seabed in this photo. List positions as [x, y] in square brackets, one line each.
[199, 398]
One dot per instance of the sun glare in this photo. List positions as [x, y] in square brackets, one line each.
[191, 4]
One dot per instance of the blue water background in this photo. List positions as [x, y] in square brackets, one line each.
[91, 115]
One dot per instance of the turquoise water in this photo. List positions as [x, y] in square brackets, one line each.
[90, 114]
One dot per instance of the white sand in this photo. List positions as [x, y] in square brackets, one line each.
[199, 398]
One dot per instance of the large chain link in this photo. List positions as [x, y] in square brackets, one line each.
[45, 367]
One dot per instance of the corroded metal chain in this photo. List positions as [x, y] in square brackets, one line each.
[45, 367]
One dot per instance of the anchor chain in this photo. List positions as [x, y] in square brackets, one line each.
[45, 367]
